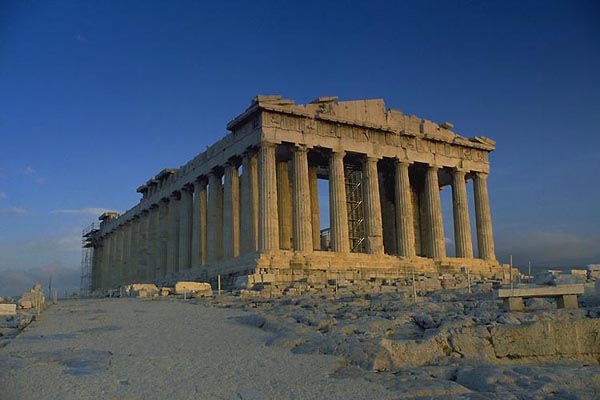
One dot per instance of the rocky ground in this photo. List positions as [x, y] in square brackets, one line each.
[448, 344]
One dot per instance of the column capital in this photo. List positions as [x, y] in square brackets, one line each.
[372, 158]
[338, 153]
[268, 144]
[398, 161]
[300, 148]
[480, 175]
[201, 181]
[187, 188]
[175, 195]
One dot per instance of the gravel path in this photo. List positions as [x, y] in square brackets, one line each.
[135, 349]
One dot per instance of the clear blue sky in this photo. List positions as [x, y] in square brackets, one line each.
[96, 97]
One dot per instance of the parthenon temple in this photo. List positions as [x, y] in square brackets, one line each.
[249, 206]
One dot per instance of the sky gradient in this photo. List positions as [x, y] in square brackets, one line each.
[97, 97]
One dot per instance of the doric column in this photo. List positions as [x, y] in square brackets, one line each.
[231, 212]
[460, 210]
[162, 237]
[152, 241]
[483, 217]
[143, 246]
[268, 217]
[173, 234]
[372, 202]
[215, 218]
[338, 208]
[302, 218]
[199, 224]
[314, 207]
[133, 248]
[185, 229]
[119, 256]
[284, 205]
[433, 209]
[249, 204]
[106, 262]
[405, 226]
[127, 265]
[97, 265]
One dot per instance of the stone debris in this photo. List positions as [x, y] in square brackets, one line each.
[8, 309]
[141, 290]
[194, 289]
[33, 298]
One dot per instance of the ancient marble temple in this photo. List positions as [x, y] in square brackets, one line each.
[250, 204]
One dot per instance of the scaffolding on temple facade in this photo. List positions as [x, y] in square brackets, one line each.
[87, 255]
[356, 218]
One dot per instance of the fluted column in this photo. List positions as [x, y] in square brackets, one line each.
[185, 229]
[143, 246]
[162, 238]
[199, 224]
[106, 262]
[127, 266]
[268, 219]
[483, 216]
[284, 205]
[460, 210]
[338, 208]
[433, 209]
[231, 212]
[118, 277]
[373, 224]
[405, 226]
[173, 235]
[314, 207]
[152, 242]
[302, 218]
[249, 204]
[133, 248]
[96, 266]
[215, 218]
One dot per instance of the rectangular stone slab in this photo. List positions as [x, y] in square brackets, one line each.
[544, 291]
[8, 309]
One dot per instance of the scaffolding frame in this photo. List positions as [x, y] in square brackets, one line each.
[87, 255]
[356, 215]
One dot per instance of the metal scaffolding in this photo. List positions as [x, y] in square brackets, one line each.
[87, 255]
[356, 215]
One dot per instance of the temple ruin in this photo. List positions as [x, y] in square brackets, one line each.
[249, 204]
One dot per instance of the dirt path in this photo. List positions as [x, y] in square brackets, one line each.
[134, 349]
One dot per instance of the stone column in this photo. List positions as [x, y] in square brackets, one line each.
[302, 217]
[199, 224]
[127, 265]
[96, 266]
[338, 208]
[152, 243]
[460, 207]
[185, 229]
[231, 212]
[118, 276]
[143, 246]
[314, 207]
[268, 217]
[405, 226]
[133, 248]
[372, 203]
[284, 205]
[173, 234]
[215, 218]
[106, 263]
[483, 217]
[162, 237]
[437, 245]
[249, 205]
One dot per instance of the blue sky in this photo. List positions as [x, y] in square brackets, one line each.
[96, 97]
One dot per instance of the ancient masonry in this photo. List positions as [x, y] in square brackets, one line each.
[248, 205]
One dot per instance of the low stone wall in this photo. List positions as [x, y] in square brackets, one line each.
[539, 341]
